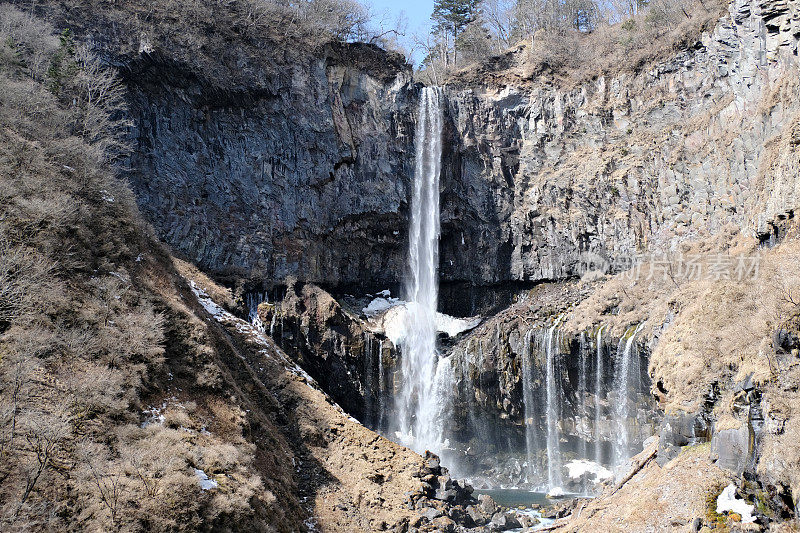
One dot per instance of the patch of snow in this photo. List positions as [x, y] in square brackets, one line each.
[206, 483]
[580, 467]
[107, 196]
[379, 305]
[153, 416]
[727, 501]
[394, 322]
[225, 318]
[453, 326]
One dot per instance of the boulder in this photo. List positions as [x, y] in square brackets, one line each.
[502, 521]
[477, 515]
[444, 524]
[732, 448]
[487, 504]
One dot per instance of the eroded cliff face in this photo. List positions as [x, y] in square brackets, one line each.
[544, 178]
[306, 173]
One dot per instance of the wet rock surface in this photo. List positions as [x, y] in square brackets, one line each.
[352, 363]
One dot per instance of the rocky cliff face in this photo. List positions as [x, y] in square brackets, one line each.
[305, 173]
[545, 177]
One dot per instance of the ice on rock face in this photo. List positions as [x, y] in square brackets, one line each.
[394, 320]
[453, 326]
[378, 305]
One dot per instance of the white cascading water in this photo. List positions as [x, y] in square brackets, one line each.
[531, 440]
[581, 425]
[553, 445]
[598, 390]
[421, 400]
[621, 409]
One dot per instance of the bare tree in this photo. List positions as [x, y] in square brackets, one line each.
[102, 118]
[44, 435]
[498, 15]
[106, 477]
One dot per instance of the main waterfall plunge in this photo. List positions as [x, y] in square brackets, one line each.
[422, 401]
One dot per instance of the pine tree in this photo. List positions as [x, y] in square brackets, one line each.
[450, 17]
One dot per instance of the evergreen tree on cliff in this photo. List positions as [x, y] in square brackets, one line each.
[451, 17]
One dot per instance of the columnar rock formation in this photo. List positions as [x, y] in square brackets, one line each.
[545, 177]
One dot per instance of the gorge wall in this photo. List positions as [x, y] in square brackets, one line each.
[307, 172]
[305, 175]
[549, 176]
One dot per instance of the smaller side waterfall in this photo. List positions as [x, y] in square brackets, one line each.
[252, 301]
[531, 441]
[622, 400]
[381, 388]
[598, 392]
[581, 419]
[371, 406]
[554, 480]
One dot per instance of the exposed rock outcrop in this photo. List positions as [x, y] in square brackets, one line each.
[541, 178]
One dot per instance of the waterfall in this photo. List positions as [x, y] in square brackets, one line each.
[580, 427]
[252, 301]
[421, 398]
[381, 385]
[553, 444]
[621, 406]
[598, 391]
[529, 402]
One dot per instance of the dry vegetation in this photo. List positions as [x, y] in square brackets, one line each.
[657, 498]
[571, 57]
[226, 43]
[715, 328]
[709, 336]
[93, 331]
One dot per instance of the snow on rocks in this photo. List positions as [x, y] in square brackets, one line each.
[245, 328]
[580, 467]
[727, 501]
[391, 315]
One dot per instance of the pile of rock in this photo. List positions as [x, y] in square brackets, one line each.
[448, 505]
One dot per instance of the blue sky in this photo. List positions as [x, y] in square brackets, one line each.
[417, 14]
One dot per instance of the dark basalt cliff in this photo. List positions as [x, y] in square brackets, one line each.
[307, 175]
[305, 170]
